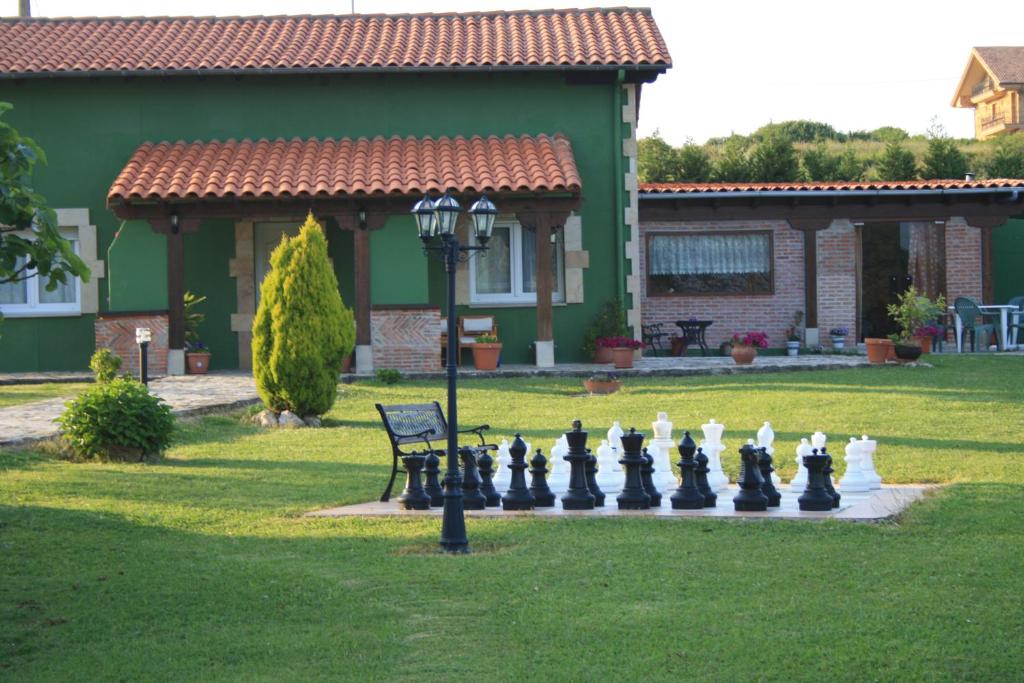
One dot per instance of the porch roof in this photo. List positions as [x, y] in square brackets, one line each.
[921, 187]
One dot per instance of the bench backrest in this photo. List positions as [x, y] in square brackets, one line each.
[404, 423]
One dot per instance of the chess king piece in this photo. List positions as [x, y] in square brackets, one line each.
[518, 497]
[501, 471]
[413, 497]
[662, 447]
[764, 465]
[713, 448]
[485, 466]
[592, 484]
[608, 469]
[828, 478]
[472, 497]
[853, 480]
[432, 487]
[701, 475]
[578, 496]
[633, 496]
[867, 463]
[688, 496]
[558, 480]
[815, 497]
[647, 478]
[799, 481]
[750, 498]
[615, 438]
[765, 439]
[542, 495]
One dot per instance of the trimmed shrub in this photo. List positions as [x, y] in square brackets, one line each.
[610, 321]
[302, 331]
[116, 420]
[388, 375]
[104, 365]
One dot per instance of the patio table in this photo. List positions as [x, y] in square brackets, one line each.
[693, 331]
[1004, 311]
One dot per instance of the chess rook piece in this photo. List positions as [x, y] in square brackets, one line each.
[472, 497]
[578, 496]
[688, 496]
[592, 484]
[867, 463]
[853, 480]
[828, 478]
[701, 475]
[413, 497]
[485, 466]
[633, 496]
[647, 479]
[432, 487]
[765, 439]
[764, 465]
[518, 497]
[608, 469]
[542, 495]
[713, 448]
[815, 497]
[799, 481]
[750, 498]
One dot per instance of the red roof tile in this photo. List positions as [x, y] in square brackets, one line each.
[713, 188]
[329, 168]
[571, 38]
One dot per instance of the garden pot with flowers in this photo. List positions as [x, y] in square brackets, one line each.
[601, 383]
[623, 349]
[914, 314]
[838, 335]
[603, 349]
[924, 335]
[745, 346]
[793, 335]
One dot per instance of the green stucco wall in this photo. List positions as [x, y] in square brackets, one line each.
[89, 128]
[1008, 260]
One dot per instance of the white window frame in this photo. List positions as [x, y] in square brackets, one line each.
[32, 308]
[518, 296]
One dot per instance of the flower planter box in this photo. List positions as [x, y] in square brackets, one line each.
[792, 348]
[485, 356]
[743, 354]
[925, 343]
[622, 357]
[603, 354]
[601, 387]
[878, 349]
[198, 363]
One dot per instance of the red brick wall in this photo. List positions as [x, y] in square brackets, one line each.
[117, 333]
[772, 313]
[406, 339]
[963, 261]
[837, 280]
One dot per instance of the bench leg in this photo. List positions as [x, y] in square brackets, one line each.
[394, 473]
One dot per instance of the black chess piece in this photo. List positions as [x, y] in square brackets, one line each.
[750, 498]
[413, 497]
[701, 475]
[688, 496]
[578, 497]
[518, 497]
[828, 478]
[472, 497]
[431, 470]
[485, 465]
[592, 480]
[647, 479]
[633, 495]
[542, 495]
[764, 465]
[815, 497]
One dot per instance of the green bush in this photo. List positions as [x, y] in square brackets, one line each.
[104, 365]
[116, 420]
[610, 321]
[302, 331]
[388, 375]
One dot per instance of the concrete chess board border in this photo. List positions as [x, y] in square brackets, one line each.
[874, 506]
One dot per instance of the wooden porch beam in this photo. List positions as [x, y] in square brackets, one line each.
[175, 233]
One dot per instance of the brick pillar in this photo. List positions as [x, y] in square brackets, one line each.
[837, 279]
[963, 261]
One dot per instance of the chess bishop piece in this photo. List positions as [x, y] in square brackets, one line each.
[578, 496]
[432, 487]
[688, 496]
[701, 474]
[609, 471]
[765, 439]
[867, 463]
[853, 480]
[518, 497]
[413, 497]
[633, 496]
[815, 497]
[799, 481]
[485, 466]
[662, 447]
[472, 497]
[750, 498]
[542, 494]
[501, 471]
[713, 448]
[592, 484]
[828, 478]
[764, 465]
[647, 478]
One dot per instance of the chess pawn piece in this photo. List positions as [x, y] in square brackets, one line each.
[472, 497]
[485, 466]
[615, 438]
[413, 497]
[815, 497]
[518, 497]
[542, 495]
[853, 480]
[578, 496]
[713, 448]
[799, 481]
[633, 496]
[647, 479]
[607, 468]
[867, 463]
[501, 471]
[701, 475]
[750, 498]
[688, 496]
[558, 480]
[828, 478]
[764, 465]
[765, 439]
[432, 487]
[592, 484]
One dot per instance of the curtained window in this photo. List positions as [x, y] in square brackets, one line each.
[709, 263]
[29, 297]
[507, 272]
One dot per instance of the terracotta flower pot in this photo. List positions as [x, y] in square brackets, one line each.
[603, 354]
[485, 356]
[601, 387]
[622, 357]
[878, 349]
[925, 343]
[198, 362]
[743, 354]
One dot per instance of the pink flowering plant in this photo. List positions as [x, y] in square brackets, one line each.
[752, 338]
[619, 343]
[927, 331]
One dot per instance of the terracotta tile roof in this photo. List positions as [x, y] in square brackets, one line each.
[329, 168]
[1005, 63]
[719, 188]
[571, 38]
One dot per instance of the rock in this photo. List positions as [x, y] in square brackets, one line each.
[311, 421]
[290, 420]
[265, 418]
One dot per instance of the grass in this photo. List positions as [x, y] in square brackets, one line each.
[199, 567]
[17, 394]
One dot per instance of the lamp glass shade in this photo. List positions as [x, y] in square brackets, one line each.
[483, 212]
[446, 212]
[423, 210]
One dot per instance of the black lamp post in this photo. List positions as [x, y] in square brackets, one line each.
[143, 336]
[437, 219]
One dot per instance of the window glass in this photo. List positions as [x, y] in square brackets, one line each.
[507, 271]
[15, 292]
[494, 266]
[701, 263]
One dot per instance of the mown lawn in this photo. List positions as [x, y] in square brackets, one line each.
[201, 568]
[16, 394]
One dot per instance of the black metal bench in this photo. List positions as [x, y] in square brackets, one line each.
[419, 423]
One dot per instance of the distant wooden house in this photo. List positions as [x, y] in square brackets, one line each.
[992, 84]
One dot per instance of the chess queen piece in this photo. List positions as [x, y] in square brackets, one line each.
[764, 465]
[815, 497]
[608, 469]
[518, 497]
[413, 497]
[750, 498]
[485, 466]
[662, 447]
[578, 496]
[432, 487]
[647, 479]
[633, 496]
[542, 495]
[701, 475]
[867, 463]
[765, 439]
[828, 478]
[592, 484]
[713, 448]
[799, 481]
[688, 496]
[501, 471]
[853, 480]
[472, 497]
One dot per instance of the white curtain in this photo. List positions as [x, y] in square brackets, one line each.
[709, 254]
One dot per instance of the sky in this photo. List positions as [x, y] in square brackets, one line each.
[738, 64]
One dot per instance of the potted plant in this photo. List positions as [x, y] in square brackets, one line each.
[486, 352]
[838, 335]
[197, 354]
[905, 350]
[609, 322]
[924, 335]
[197, 357]
[601, 383]
[744, 347]
[914, 312]
[603, 349]
[623, 349]
[793, 335]
[879, 350]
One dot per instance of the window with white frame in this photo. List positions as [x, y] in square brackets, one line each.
[507, 271]
[29, 297]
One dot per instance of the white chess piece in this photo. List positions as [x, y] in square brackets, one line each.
[799, 482]
[609, 477]
[558, 478]
[615, 436]
[765, 439]
[713, 447]
[818, 440]
[867, 462]
[853, 480]
[502, 474]
[661, 447]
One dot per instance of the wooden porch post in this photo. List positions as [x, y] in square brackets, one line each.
[360, 229]
[543, 223]
[810, 229]
[174, 230]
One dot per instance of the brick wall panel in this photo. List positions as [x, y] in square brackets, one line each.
[118, 335]
[406, 339]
